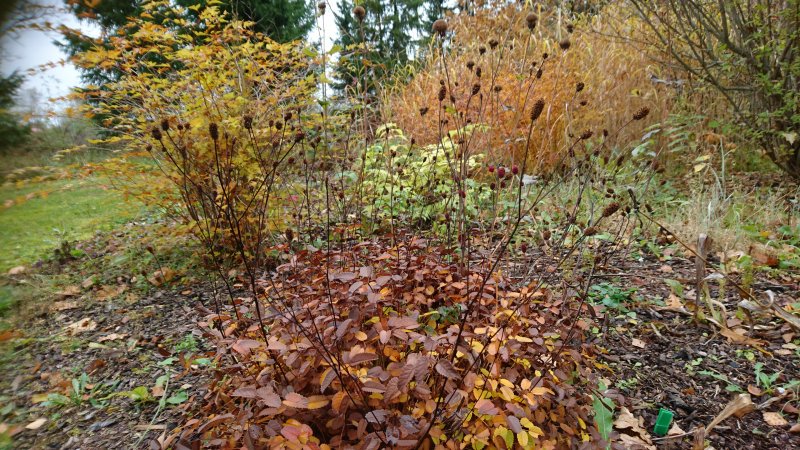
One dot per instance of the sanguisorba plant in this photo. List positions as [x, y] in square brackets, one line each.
[392, 340]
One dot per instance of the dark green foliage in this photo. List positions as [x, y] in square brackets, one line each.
[392, 30]
[12, 132]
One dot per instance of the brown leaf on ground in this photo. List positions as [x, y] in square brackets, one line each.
[69, 291]
[61, 306]
[83, 325]
[775, 419]
[633, 434]
[739, 406]
[736, 335]
[36, 424]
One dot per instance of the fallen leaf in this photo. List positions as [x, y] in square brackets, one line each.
[19, 270]
[113, 337]
[85, 324]
[61, 306]
[88, 282]
[36, 424]
[736, 337]
[675, 430]
[739, 406]
[775, 419]
[637, 343]
[795, 428]
[69, 291]
[635, 435]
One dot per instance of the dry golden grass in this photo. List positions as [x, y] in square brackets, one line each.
[615, 74]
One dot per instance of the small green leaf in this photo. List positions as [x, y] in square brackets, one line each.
[178, 398]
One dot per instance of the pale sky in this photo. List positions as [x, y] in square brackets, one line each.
[30, 49]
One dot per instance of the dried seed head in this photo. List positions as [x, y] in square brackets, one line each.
[514, 169]
[423, 111]
[490, 168]
[586, 135]
[523, 247]
[321, 7]
[213, 131]
[493, 43]
[610, 209]
[539, 73]
[584, 102]
[478, 72]
[641, 114]
[501, 172]
[440, 27]
[545, 55]
[498, 88]
[564, 44]
[532, 19]
[470, 65]
[156, 133]
[579, 86]
[476, 88]
[546, 235]
[481, 50]
[360, 13]
[570, 28]
[538, 107]
[165, 124]
[590, 231]
[442, 93]
[247, 122]
[299, 136]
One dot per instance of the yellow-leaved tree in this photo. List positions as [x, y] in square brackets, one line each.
[220, 110]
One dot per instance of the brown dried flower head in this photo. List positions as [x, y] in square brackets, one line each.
[213, 131]
[440, 27]
[579, 86]
[538, 107]
[641, 114]
[493, 43]
[532, 19]
[360, 13]
[586, 135]
[610, 209]
[564, 44]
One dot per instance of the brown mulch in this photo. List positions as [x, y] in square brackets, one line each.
[50, 359]
[665, 373]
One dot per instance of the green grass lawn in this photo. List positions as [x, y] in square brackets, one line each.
[73, 209]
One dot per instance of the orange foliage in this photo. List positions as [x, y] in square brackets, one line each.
[615, 77]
